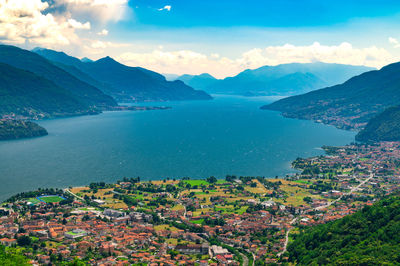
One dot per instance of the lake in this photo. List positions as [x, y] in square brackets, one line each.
[228, 135]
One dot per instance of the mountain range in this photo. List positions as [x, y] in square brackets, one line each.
[46, 83]
[284, 79]
[123, 83]
[32, 62]
[349, 105]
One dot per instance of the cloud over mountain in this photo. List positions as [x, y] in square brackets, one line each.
[191, 62]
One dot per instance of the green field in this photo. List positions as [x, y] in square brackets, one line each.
[303, 182]
[199, 221]
[33, 201]
[198, 182]
[51, 199]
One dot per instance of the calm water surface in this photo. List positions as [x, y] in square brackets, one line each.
[229, 135]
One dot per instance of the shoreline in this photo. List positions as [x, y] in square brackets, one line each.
[35, 121]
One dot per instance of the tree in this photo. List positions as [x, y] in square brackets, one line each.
[309, 200]
[212, 179]
[24, 241]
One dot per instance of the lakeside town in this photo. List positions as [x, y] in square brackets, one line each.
[230, 221]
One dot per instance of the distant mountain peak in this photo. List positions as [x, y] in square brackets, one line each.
[39, 50]
[86, 60]
[206, 75]
[107, 60]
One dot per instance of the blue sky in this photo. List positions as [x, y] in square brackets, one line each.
[261, 13]
[221, 37]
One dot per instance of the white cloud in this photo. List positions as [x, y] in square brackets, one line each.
[167, 7]
[30, 23]
[343, 53]
[78, 25]
[186, 61]
[24, 21]
[96, 47]
[394, 42]
[96, 10]
[103, 33]
[178, 62]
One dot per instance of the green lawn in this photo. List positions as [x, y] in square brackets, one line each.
[33, 200]
[199, 221]
[303, 182]
[51, 199]
[197, 182]
[89, 209]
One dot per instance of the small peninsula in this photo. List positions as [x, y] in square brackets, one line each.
[18, 129]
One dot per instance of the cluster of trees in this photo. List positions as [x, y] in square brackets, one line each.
[212, 180]
[321, 186]
[254, 208]
[270, 185]
[188, 227]
[12, 256]
[308, 200]
[311, 171]
[213, 222]
[159, 201]
[130, 201]
[98, 185]
[4, 213]
[149, 187]
[369, 237]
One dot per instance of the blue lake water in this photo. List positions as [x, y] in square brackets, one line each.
[228, 135]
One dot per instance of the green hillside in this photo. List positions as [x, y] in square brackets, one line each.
[349, 105]
[40, 66]
[24, 93]
[369, 237]
[384, 127]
